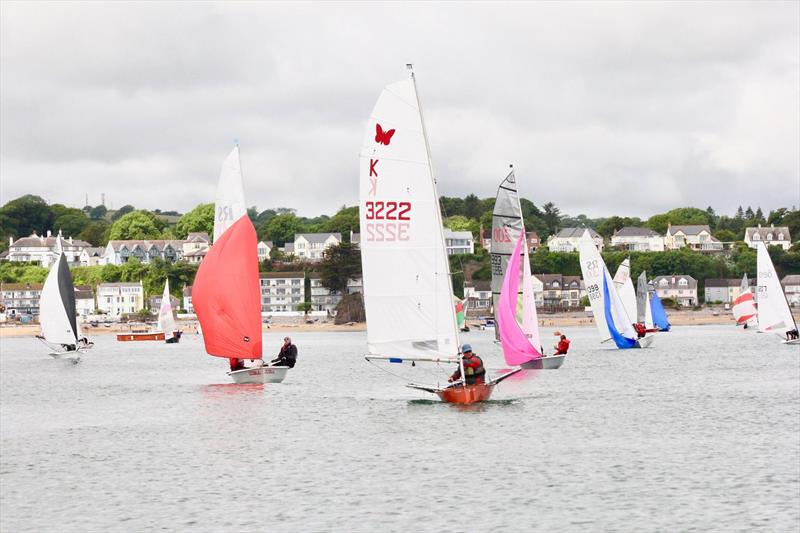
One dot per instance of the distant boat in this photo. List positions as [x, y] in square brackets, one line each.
[226, 294]
[166, 322]
[624, 285]
[510, 259]
[644, 311]
[61, 331]
[744, 307]
[774, 314]
[461, 313]
[610, 317]
[407, 285]
[660, 319]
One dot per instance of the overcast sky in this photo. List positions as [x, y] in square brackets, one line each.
[604, 108]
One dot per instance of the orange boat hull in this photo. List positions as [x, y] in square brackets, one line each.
[141, 336]
[466, 395]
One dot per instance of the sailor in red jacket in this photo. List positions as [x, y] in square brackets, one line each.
[236, 364]
[473, 367]
[562, 346]
[640, 329]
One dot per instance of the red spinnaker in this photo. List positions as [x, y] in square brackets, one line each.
[227, 295]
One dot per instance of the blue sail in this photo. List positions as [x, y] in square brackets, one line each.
[621, 341]
[660, 319]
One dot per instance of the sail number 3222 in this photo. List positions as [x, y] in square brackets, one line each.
[387, 210]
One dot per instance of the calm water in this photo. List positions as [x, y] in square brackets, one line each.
[701, 432]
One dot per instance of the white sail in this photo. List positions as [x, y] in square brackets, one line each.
[648, 317]
[166, 322]
[54, 315]
[774, 314]
[407, 286]
[624, 286]
[594, 270]
[229, 205]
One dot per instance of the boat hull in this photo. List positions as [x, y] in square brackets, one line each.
[260, 374]
[549, 362]
[74, 356]
[466, 395]
[793, 341]
[150, 336]
[644, 342]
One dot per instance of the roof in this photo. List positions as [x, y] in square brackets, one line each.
[450, 234]
[159, 244]
[633, 231]
[120, 284]
[674, 280]
[689, 230]
[21, 286]
[187, 291]
[281, 275]
[763, 232]
[46, 242]
[268, 243]
[200, 252]
[288, 248]
[563, 281]
[792, 279]
[318, 237]
[84, 292]
[728, 282]
[574, 233]
[532, 235]
[95, 251]
[480, 285]
[198, 236]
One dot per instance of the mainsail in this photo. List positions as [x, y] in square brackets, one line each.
[774, 314]
[57, 313]
[407, 286]
[229, 205]
[644, 313]
[226, 294]
[744, 307]
[624, 286]
[660, 319]
[517, 347]
[166, 322]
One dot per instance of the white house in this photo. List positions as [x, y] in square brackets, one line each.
[84, 300]
[568, 240]
[281, 291]
[116, 299]
[791, 287]
[538, 291]
[264, 249]
[187, 299]
[355, 285]
[696, 237]
[20, 298]
[458, 242]
[771, 236]
[682, 288]
[560, 291]
[92, 255]
[726, 290]
[322, 299]
[311, 246]
[41, 249]
[119, 252]
[636, 239]
[479, 297]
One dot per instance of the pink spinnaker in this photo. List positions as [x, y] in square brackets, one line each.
[517, 348]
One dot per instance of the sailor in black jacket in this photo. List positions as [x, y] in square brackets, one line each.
[287, 355]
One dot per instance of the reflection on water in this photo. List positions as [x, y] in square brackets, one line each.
[699, 432]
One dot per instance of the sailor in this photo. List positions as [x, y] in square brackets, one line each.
[473, 367]
[288, 354]
[641, 331]
[236, 364]
[792, 335]
[563, 346]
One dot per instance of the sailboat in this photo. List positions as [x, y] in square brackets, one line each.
[226, 294]
[461, 313]
[61, 331]
[774, 314]
[508, 238]
[407, 285]
[744, 307]
[610, 317]
[166, 322]
[624, 285]
[644, 311]
[660, 319]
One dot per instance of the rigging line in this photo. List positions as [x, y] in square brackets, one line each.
[404, 378]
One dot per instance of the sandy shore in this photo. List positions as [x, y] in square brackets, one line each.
[677, 318]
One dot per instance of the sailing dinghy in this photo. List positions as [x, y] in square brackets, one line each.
[166, 322]
[660, 319]
[509, 245]
[226, 294]
[774, 313]
[61, 332]
[744, 307]
[644, 311]
[407, 286]
[609, 312]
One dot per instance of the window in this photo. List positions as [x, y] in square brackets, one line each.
[683, 283]
[756, 236]
[663, 283]
[769, 236]
[780, 236]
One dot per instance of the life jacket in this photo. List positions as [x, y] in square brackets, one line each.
[563, 346]
[473, 369]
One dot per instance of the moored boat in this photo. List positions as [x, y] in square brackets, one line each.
[141, 336]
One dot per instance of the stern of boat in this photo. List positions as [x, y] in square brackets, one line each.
[549, 362]
[260, 374]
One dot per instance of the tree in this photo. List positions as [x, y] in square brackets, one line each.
[472, 207]
[679, 216]
[748, 214]
[725, 235]
[282, 228]
[121, 212]
[71, 222]
[95, 233]
[24, 215]
[98, 212]
[776, 216]
[344, 221]
[451, 206]
[136, 225]
[460, 223]
[201, 218]
[608, 226]
[339, 264]
[551, 217]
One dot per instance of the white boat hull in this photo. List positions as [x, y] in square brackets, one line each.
[645, 342]
[260, 374]
[793, 341]
[547, 362]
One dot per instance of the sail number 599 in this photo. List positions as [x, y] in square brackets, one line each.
[387, 210]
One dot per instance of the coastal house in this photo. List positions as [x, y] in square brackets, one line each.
[533, 240]
[282, 292]
[458, 242]
[322, 299]
[696, 237]
[187, 299]
[538, 291]
[771, 236]
[119, 252]
[311, 246]
[20, 298]
[478, 294]
[42, 249]
[791, 288]
[264, 249]
[355, 285]
[92, 256]
[636, 239]
[154, 302]
[120, 298]
[568, 240]
[682, 288]
[84, 300]
[560, 291]
[725, 290]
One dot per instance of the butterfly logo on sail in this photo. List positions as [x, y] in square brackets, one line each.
[383, 137]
